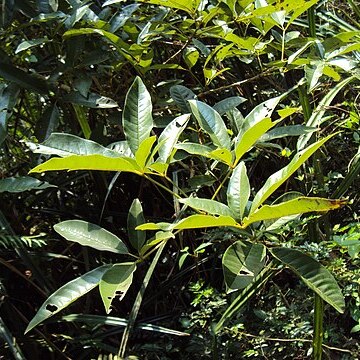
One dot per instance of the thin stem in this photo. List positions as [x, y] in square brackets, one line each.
[318, 327]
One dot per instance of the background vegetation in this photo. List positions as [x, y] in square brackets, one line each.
[66, 67]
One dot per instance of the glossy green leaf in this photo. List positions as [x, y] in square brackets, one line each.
[238, 190]
[300, 205]
[91, 100]
[211, 207]
[34, 83]
[285, 131]
[193, 222]
[63, 145]
[67, 294]
[221, 154]
[313, 72]
[136, 217]
[115, 283]
[191, 56]
[189, 6]
[318, 114]
[228, 104]
[195, 149]
[242, 262]
[137, 115]
[143, 153]
[159, 237]
[181, 94]
[22, 183]
[170, 136]
[211, 122]
[88, 234]
[245, 140]
[27, 44]
[82, 118]
[315, 275]
[89, 162]
[278, 178]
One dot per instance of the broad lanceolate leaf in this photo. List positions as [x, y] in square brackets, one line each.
[92, 235]
[89, 162]
[211, 122]
[137, 115]
[278, 178]
[22, 183]
[170, 136]
[299, 205]
[212, 207]
[193, 222]
[242, 261]
[318, 114]
[228, 104]
[136, 217]
[315, 275]
[116, 282]
[67, 294]
[238, 190]
[181, 94]
[245, 140]
[285, 131]
[66, 144]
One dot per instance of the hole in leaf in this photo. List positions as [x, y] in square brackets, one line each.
[109, 297]
[51, 307]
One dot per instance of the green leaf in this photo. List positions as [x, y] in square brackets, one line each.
[115, 283]
[191, 56]
[195, 149]
[170, 136]
[48, 123]
[211, 207]
[315, 276]
[137, 115]
[8, 97]
[245, 140]
[188, 6]
[192, 222]
[313, 72]
[228, 104]
[211, 122]
[22, 183]
[136, 217]
[238, 190]
[318, 114]
[66, 144]
[92, 100]
[92, 235]
[221, 154]
[285, 131]
[181, 94]
[27, 44]
[143, 153]
[82, 118]
[67, 294]
[242, 261]
[300, 205]
[278, 178]
[89, 162]
[31, 82]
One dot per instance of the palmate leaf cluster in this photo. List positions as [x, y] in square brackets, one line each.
[138, 127]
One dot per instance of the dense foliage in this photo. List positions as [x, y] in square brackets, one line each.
[193, 164]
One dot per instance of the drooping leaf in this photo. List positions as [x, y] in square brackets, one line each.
[211, 207]
[315, 275]
[89, 162]
[238, 190]
[313, 72]
[63, 145]
[8, 97]
[170, 136]
[115, 283]
[136, 217]
[88, 234]
[137, 115]
[211, 122]
[242, 262]
[300, 205]
[67, 294]
[278, 178]
[22, 183]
